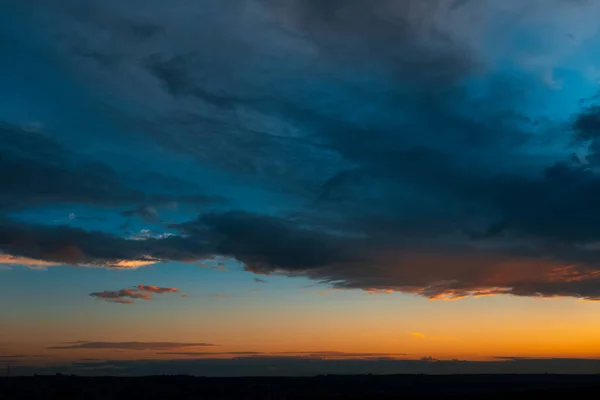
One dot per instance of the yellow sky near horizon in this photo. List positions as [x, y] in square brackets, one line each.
[470, 329]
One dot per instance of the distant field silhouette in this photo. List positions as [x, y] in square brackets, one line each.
[319, 387]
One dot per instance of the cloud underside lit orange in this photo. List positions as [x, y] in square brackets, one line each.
[454, 276]
[12, 260]
[434, 275]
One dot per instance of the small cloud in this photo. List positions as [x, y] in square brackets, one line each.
[37, 268]
[156, 289]
[379, 291]
[324, 292]
[125, 296]
[218, 267]
[146, 234]
[221, 295]
[258, 280]
[422, 336]
[132, 264]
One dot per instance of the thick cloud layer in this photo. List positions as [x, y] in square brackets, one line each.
[411, 146]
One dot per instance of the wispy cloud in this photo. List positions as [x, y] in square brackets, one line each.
[126, 296]
[292, 354]
[156, 289]
[129, 345]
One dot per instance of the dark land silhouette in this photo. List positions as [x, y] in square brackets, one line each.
[319, 387]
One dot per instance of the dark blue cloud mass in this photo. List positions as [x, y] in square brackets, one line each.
[444, 148]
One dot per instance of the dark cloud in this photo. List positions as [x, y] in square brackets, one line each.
[130, 345]
[404, 37]
[587, 124]
[67, 245]
[43, 171]
[440, 269]
[242, 235]
[405, 158]
[310, 42]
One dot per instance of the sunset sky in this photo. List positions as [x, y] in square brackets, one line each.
[299, 186]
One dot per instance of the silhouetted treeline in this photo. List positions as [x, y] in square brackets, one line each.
[320, 387]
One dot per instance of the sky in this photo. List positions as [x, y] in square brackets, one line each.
[295, 187]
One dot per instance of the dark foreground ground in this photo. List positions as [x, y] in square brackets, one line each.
[322, 387]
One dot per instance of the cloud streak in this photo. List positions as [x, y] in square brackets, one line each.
[334, 355]
[126, 296]
[129, 345]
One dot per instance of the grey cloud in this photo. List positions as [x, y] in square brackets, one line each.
[44, 171]
[281, 123]
[407, 37]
